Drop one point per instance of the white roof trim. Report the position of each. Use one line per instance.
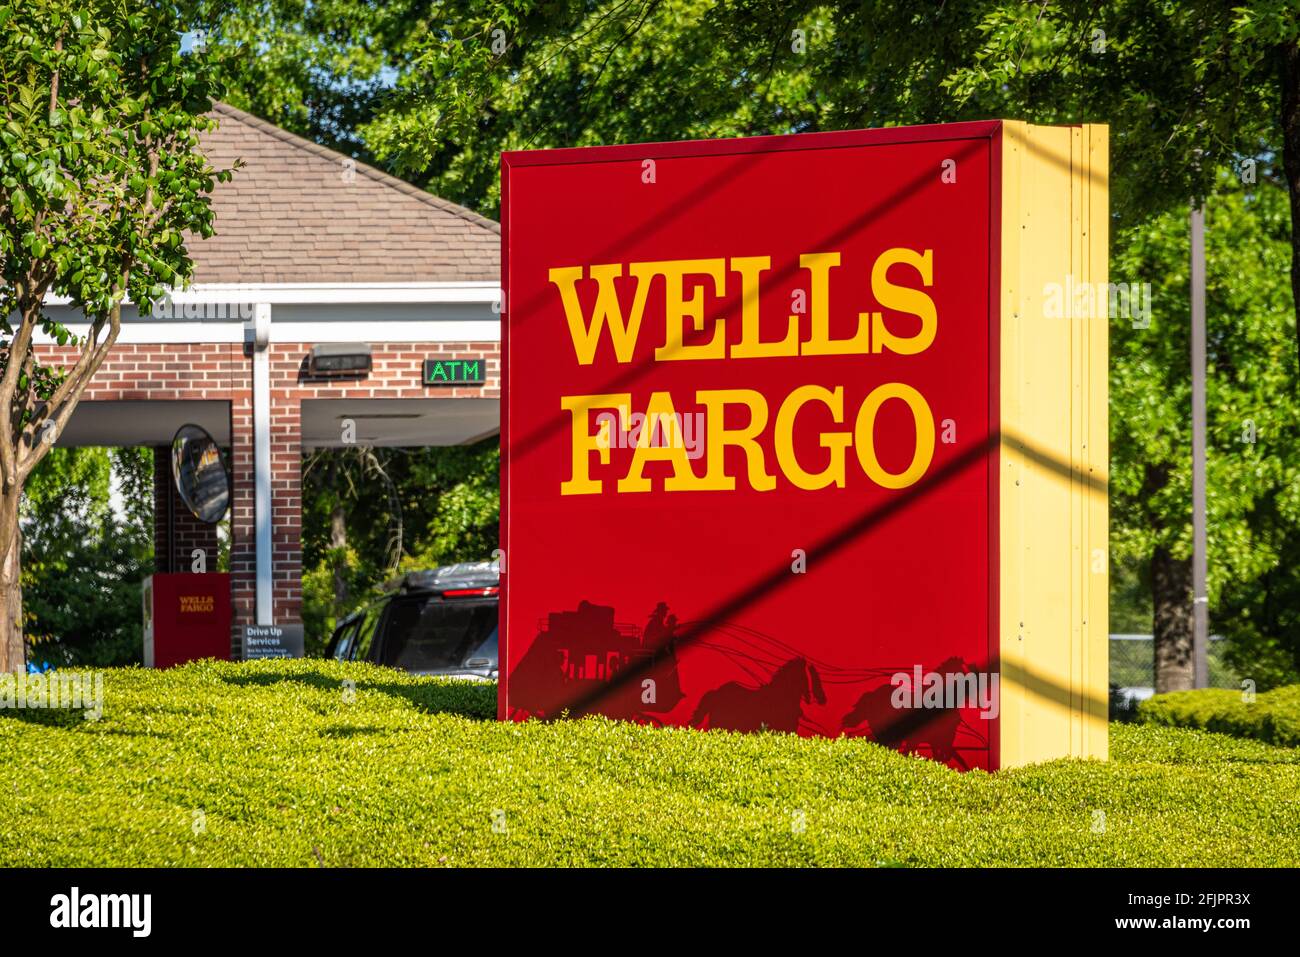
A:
(194, 331)
(317, 293)
(312, 312)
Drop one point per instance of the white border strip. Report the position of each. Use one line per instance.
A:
(432, 331)
(226, 325)
(318, 293)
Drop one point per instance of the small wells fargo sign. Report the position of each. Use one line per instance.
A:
(197, 604)
(788, 442)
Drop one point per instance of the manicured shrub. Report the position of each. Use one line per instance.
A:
(1273, 716)
(304, 763)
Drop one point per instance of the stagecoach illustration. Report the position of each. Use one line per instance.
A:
(583, 661)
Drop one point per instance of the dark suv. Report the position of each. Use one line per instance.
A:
(438, 622)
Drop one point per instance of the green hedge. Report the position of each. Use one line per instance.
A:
(1274, 716)
(310, 763)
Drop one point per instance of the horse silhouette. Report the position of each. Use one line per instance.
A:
(774, 706)
(908, 729)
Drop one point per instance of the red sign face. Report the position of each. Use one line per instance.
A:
(746, 433)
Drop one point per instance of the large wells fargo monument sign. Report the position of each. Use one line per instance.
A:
(792, 439)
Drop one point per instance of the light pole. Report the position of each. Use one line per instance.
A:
(1200, 596)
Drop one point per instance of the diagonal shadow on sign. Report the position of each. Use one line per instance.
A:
(863, 525)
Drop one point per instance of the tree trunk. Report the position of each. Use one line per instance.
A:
(1171, 587)
(1291, 162)
(13, 649)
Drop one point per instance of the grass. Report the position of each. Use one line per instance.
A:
(1273, 716)
(279, 768)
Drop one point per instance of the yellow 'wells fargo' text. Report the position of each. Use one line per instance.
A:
(607, 314)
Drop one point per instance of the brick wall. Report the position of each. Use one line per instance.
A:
(174, 541)
(223, 371)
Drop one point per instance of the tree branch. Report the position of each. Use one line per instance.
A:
(71, 389)
(54, 80)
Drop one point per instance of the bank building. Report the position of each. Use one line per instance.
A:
(334, 304)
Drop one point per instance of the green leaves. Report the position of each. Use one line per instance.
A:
(1272, 716)
(27, 97)
(408, 771)
(88, 218)
(99, 177)
(82, 564)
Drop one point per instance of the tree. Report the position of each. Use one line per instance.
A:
(1253, 462)
(82, 563)
(100, 181)
(320, 69)
(521, 75)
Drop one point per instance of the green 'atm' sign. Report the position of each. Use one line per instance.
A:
(454, 372)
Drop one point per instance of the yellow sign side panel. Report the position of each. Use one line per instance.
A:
(1052, 496)
(1097, 633)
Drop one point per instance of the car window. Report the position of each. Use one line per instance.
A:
(489, 647)
(366, 634)
(423, 634)
(341, 643)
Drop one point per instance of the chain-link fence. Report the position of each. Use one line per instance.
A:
(1132, 671)
(1132, 663)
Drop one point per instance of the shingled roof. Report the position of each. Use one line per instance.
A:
(298, 212)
